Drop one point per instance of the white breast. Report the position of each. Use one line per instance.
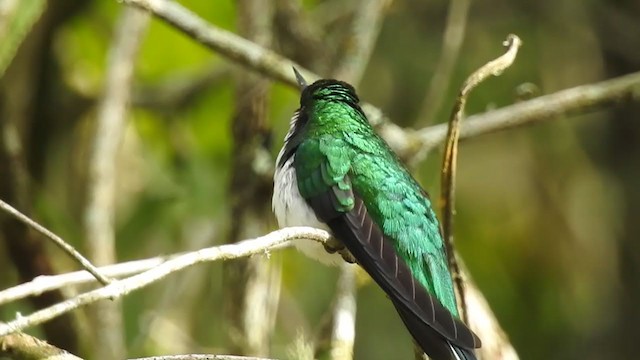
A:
(292, 210)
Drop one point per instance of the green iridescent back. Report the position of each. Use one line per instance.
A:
(339, 141)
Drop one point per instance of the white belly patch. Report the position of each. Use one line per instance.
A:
(292, 210)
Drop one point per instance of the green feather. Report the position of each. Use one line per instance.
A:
(340, 144)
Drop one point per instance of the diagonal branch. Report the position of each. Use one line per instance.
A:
(45, 283)
(117, 289)
(57, 240)
(408, 144)
(579, 99)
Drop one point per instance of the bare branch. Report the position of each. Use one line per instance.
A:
(451, 44)
(56, 240)
(228, 44)
(116, 289)
(579, 99)
(21, 346)
(44, 283)
(406, 143)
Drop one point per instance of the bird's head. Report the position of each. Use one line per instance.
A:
(325, 89)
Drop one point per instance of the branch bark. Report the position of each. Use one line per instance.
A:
(408, 144)
(262, 245)
(45, 283)
(21, 346)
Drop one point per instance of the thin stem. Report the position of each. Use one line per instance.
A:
(86, 264)
(448, 178)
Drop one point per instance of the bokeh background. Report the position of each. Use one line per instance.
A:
(548, 216)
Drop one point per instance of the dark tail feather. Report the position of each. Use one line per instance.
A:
(432, 343)
(462, 354)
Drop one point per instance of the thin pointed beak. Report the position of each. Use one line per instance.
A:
(301, 81)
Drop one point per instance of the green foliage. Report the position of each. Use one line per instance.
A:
(15, 25)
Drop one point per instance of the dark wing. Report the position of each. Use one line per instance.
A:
(323, 180)
(421, 312)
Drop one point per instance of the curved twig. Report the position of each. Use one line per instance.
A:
(448, 176)
(84, 262)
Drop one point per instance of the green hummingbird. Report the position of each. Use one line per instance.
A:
(335, 172)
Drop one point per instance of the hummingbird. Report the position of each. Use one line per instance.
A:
(336, 173)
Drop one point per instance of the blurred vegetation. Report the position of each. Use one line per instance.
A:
(547, 215)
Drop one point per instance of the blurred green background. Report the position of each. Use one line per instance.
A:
(548, 216)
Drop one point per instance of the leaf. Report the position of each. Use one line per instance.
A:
(16, 20)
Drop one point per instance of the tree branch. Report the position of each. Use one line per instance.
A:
(44, 283)
(408, 144)
(579, 99)
(21, 346)
(116, 289)
(86, 264)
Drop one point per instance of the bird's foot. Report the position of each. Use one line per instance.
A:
(334, 245)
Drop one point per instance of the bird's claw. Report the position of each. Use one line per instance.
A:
(334, 245)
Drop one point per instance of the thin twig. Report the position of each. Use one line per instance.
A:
(86, 264)
(44, 283)
(448, 178)
(228, 44)
(451, 44)
(116, 289)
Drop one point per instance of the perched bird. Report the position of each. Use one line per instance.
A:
(334, 172)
